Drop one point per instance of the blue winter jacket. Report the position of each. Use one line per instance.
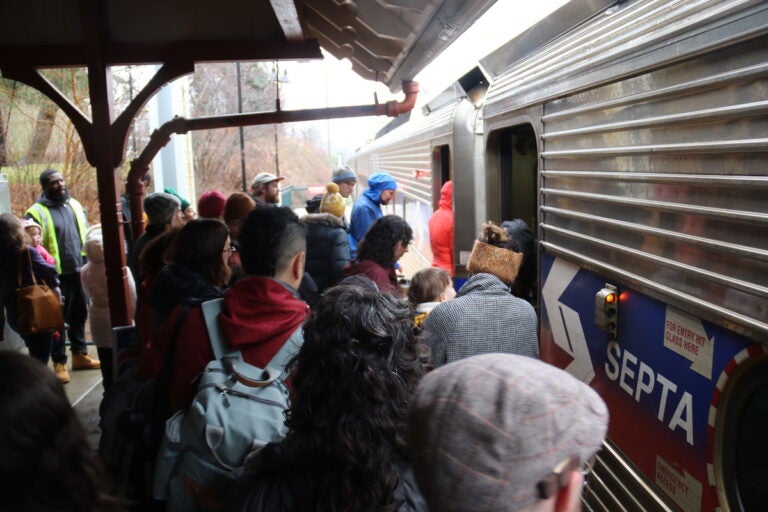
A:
(367, 210)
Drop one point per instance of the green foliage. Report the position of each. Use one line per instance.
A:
(26, 174)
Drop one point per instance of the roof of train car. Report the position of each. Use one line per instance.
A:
(387, 40)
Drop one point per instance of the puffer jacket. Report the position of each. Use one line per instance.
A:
(441, 231)
(327, 249)
(93, 276)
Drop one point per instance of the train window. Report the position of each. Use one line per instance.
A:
(743, 443)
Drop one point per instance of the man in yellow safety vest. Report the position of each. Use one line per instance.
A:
(64, 224)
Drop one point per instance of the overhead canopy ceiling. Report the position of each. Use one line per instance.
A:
(386, 40)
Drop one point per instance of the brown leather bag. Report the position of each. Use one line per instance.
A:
(37, 306)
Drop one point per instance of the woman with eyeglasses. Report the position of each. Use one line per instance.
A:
(198, 268)
(384, 244)
(197, 271)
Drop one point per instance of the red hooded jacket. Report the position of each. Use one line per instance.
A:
(441, 230)
(258, 315)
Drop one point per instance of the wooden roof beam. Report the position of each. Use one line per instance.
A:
(123, 54)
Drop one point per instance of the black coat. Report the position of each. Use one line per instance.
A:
(269, 482)
(175, 285)
(327, 249)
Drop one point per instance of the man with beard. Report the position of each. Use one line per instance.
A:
(367, 209)
(265, 189)
(64, 226)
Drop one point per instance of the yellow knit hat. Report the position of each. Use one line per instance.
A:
(332, 202)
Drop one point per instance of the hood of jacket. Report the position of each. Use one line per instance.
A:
(446, 196)
(487, 283)
(94, 244)
(323, 219)
(43, 199)
(260, 310)
(378, 183)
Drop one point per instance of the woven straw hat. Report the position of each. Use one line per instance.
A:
(490, 259)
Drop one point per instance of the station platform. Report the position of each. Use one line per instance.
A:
(85, 392)
(412, 262)
(84, 389)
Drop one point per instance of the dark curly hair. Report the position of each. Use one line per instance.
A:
(47, 463)
(353, 379)
(379, 242)
(269, 238)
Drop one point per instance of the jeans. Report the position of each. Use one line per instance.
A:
(39, 345)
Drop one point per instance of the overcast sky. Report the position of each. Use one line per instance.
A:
(332, 82)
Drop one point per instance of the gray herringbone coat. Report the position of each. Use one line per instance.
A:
(484, 317)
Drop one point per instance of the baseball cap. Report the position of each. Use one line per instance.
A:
(265, 177)
(485, 430)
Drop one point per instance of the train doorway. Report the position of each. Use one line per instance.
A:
(441, 171)
(518, 165)
(512, 191)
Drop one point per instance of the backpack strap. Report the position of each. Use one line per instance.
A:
(281, 358)
(211, 310)
(276, 365)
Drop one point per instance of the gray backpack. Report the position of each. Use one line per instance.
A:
(238, 408)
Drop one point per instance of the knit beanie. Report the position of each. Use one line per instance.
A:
(332, 202)
(343, 173)
(211, 204)
(313, 204)
(184, 204)
(30, 223)
(161, 207)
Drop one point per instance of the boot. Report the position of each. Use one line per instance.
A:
(60, 369)
(84, 362)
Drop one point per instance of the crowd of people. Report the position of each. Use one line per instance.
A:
(402, 397)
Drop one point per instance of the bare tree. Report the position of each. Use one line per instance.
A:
(3, 149)
(42, 135)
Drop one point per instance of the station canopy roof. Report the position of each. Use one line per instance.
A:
(386, 40)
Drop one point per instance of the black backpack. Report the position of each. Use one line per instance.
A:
(133, 415)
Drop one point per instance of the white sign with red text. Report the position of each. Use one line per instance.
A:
(684, 334)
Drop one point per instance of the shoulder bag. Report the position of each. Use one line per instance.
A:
(37, 306)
